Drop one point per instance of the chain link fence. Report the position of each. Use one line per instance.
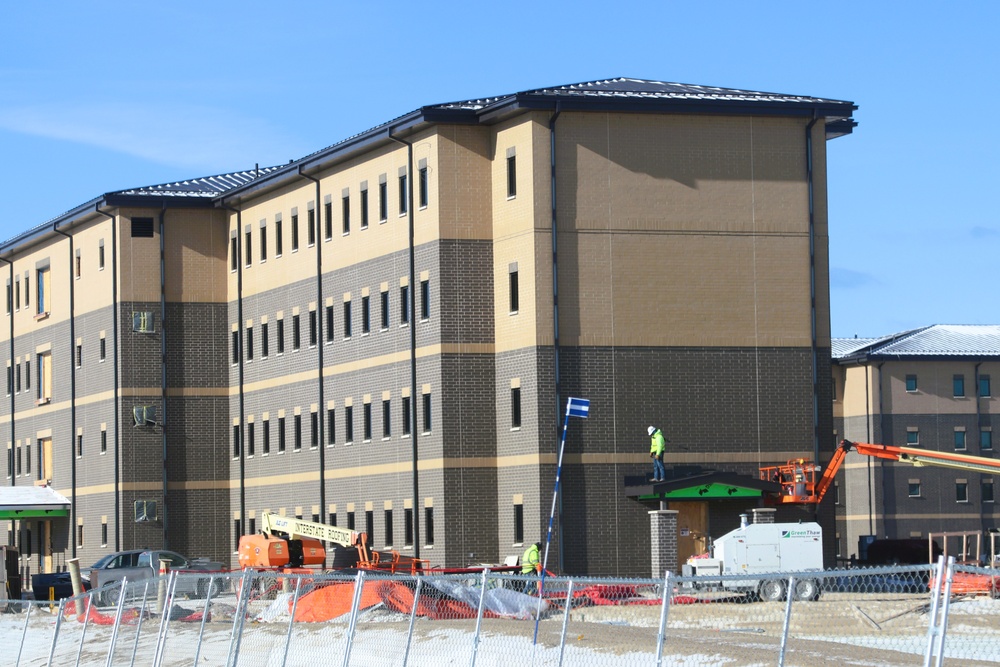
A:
(886, 616)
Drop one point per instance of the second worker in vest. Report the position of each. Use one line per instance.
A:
(530, 564)
(657, 445)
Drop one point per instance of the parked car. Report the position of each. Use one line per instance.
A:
(141, 564)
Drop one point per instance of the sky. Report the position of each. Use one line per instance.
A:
(101, 96)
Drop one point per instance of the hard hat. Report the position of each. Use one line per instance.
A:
(651, 430)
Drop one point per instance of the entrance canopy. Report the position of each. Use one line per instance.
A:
(701, 486)
(28, 502)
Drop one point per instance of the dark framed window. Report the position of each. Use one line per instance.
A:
(311, 227)
(388, 528)
(425, 299)
(518, 523)
(984, 386)
(234, 254)
(100, 256)
(986, 490)
(329, 324)
(986, 439)
(331, 426)
(404, 304)
(367, 412)
(511, 176)
(295, 233)
(370, 526)
(427, 413)
(349, 423)
(328, 210)
(263, 243)
(959, 440)
(27, 373)
(406, 415)
(350, 521)
(248, 247)
(345, 210)
(249, 343)
(422, 187)
(264, 347)
(347, 319)
(79, 445)
(911, 383)
(513, 290)
(79, 360)
(104, 349)
(313, 329)
(383, 201)
(408, 527)
(281, 435)
(251, 441)
(961, 491)
(403, 191)
(296, 332)
(314, 429)
(364, 208)
(913, 489)
(104, 442)
(386, 419)
(913, 437)
(280, 338)
(384, 296)
(236, 346)
(297, 443)
(237, 534)
(366, 315)
(236, 441)
(104, 533)
(279, 245)
(515, 407)
(265, 434)
(958, 386)
(429, 526)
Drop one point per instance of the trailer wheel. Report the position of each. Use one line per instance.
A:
(772, 590)
(108, 596)
(806, 590)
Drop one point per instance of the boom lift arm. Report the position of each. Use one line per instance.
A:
(291, 542)
(802, 483)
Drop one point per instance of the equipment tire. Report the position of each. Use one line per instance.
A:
(107, 596)
(772, 590)
(203, 588)
(806, 590)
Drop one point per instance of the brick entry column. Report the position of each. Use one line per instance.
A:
(763, 514)
(663, 537)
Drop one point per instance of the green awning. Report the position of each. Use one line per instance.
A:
(32, 502)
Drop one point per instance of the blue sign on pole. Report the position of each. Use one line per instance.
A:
(578, 407)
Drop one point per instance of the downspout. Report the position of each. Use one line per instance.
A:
(239, 347)
(555, 307)
(975, 388)
(413, 340)
(812, 283)
(72, 385)
(320, 422)
(10, 452)
(163, 371)
(882, 438)
(114, 345)
(868, 438)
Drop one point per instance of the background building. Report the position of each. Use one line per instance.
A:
(382, 334)
(928, 388)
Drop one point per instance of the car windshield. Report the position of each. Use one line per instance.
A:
(102, 562)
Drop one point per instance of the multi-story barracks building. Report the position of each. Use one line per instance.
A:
(383, 334)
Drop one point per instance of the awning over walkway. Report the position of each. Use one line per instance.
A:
(702, 486)
(27, 502)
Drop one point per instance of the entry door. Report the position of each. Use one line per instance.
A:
(692, 529)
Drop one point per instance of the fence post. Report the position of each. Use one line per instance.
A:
(138, 627)
(86, 621)
(569, 606)
(24, 634)
(479, 617)
(55, 634)
(161, 637)
(246, 583)
(204, 616)
(661, 633)
(789, 596)
(118, 622)
(936, 583)
(359, 583)
(291, 619)
(946, 603)
(413, 616)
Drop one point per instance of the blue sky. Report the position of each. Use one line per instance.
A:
(100, 96)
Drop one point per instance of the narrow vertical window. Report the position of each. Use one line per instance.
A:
(422, 186)
(79, 355)
(234, 253)
(961, 491)
(263, 242)
(296, 333)
(515, 407)
(104, 348)
(279, 241)
(425, 300)
(79, 445)
(347, 319)
(331, 426)
(313, 430)
(311, 227)
(27, 373)
(350, 521)
(295, 233)
(514, 292)
(42, 285)
(986, 490)
(313, 329)
(408, 527)
(248, 247)
(958, 386)
(388, 528)
(518, 523)
(104, 533)
(265, 435)
(77, 267)
(986, 439)
(367, 421)
(104, 441)
(298, 432)
(348, 424)
(366, 315)
(385, 310)
(280, 339)
(329, 324)
(403, 192)
(984, 386)
(237, 534)
(264, 344)
(44, 365)
(407, 416)
(100, 255)
(511, 174)
(328, 214)
(345, 213)
(17, 379)
(249, 343)
(236, 346)
(281, 435)
(911, 383)
(79, 535)
(959, 440)
(383, 200)
(429, 526)
(404, 304)
(236, 441)
(17, 295)
(427, 413)
(364, 206)
(386, 419)
(370, 525)
(251, 439)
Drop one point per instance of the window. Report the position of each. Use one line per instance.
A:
(427, 413)
(249, 343)
(404, 304)
(251, 440)
(100, 256)
(43, 307)
(313, 430)
(366, 315)
(385, 310)
(10, 380)
(10, 298)
(79, 535)
(986, 490)
(27, 373)
(911, 383)
(281, 435)
(959, 440)
(958, 386)
(264, 345)
(513, 289)
(17, 295)
(234, 253)
(345, 212)
(237, 534)
(313, 329)
(235, 344)
(913, 489)
(295, 233)
(311, 227)
(386, 419)
(281, 336)
(984, 386)
(511, 175)
(422, 186)
(429, 526)
(248, 247)
(961, 491)
(407, 416)
(104, 349)
(328, 230)
(333, 518)
(408, 527)
(370, 526)
(331, 427)
(986, 439)
(142, 228)
(383, 201)
(348, 424)
(279, 242)
(296, 332)
(104, 533)
(298, 432)
(403, 191)
(77, 267)
(388, 529)
(364, 207)
(79, 445)
(17, 379)
(367, 411)
(265, 434)
(263, 243)
(236, 441)
(329, 324)
(104, 441)
(912, 437)
(425, 300)
(515, 407)
(347, 319)
(518, 523)
(44, 377)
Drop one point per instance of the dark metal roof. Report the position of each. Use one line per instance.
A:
(939, 340)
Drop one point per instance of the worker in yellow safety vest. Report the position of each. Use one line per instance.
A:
(530, 564)
(657, 445)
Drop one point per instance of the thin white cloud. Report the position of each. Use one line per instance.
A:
(980, 232)
(850, 279)
(190, 136)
